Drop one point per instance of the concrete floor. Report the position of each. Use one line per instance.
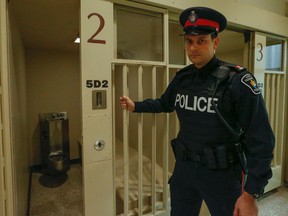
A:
(58, 196)
(63, 196)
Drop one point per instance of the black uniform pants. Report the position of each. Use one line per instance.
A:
(192, 182)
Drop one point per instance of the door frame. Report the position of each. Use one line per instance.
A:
(7, 202)
(258, 55)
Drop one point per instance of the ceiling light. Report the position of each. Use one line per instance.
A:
(77, 40)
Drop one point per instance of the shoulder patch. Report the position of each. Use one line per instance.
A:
(249, 81)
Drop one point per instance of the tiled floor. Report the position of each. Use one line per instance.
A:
(274, 203)
(63, 196)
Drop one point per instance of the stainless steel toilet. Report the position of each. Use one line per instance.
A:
(54, 136)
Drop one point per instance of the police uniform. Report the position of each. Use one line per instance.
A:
(207, 167)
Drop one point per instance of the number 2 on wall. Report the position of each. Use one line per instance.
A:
(93, 39)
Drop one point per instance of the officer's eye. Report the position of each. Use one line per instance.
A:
(201, 41)
(188, 42)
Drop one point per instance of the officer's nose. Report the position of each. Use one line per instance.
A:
(191, 47)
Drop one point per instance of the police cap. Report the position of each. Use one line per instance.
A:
(202, 21)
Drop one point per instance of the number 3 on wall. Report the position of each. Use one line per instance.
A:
(260, 52)
(93, 39)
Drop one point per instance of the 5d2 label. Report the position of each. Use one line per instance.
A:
(97, 83)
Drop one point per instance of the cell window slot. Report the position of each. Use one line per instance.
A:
(99, 99)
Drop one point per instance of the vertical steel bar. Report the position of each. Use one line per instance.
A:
(166, 131)
(114, 136)
(166, 151)
(277, 119)
(272, 112)
(125, 71)
(154, 138)
(140, 143)
(267, 92)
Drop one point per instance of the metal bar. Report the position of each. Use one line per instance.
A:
(272, 114)
(283, 115)
(267, 92)
(166, 153)
(166, 131)
(114, 140)
(140, 143)
(274, 72)
(125, 71)
(154, 137)
(278, 120)
(137, 62)
(273, 96)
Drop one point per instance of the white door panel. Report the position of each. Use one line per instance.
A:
(96, 51)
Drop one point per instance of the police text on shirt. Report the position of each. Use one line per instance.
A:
(201, 104)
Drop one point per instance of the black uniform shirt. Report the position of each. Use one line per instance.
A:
(241, 104)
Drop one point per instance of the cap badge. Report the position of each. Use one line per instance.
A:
(193, 17)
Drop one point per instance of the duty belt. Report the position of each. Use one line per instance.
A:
(191, 156)
(217, 157)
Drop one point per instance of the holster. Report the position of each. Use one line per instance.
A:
(181, 152)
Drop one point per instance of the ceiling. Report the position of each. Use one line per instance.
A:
(47, 24)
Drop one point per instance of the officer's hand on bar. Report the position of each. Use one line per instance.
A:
(127, 103)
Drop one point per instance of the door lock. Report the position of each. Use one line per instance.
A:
(99, 145)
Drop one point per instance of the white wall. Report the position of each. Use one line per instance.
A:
(275, 6)
(262, 16)
(53, 85)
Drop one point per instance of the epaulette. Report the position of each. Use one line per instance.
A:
(234, 67)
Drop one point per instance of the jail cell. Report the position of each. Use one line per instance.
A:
(143, 157)
(274, 99)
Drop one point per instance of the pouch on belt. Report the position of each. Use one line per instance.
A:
(218, 157)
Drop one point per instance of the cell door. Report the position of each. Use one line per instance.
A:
(141, 141)
(269, 54)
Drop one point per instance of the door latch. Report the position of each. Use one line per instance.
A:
(99, 145)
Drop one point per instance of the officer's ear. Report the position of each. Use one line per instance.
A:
(216, 42)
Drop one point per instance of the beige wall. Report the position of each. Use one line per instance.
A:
(53, 84)
(235, 57)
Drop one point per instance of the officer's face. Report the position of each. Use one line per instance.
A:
(200, 48)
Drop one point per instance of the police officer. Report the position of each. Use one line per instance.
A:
(214, 101)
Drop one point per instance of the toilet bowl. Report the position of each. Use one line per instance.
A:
(58, 163)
